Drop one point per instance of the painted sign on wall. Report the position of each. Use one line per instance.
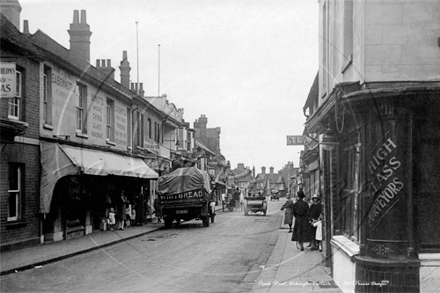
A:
(7, 80)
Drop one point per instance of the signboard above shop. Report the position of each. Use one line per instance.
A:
(298, 140)
(7, 80)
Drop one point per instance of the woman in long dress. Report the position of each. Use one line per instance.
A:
(288, 213)
(301, 229)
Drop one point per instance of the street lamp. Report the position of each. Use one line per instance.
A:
(176, 138)
(329, 141)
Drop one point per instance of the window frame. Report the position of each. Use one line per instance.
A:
(15, 169)
(110, 120)
(15, 105)
(81, 115)
(350, 193)
(47, 95)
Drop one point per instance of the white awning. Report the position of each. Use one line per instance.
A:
(62, 160)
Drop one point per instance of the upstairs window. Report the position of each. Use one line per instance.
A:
(47, 95)
(149, 128)
(15, 104)
(110, 135)
(81, 108)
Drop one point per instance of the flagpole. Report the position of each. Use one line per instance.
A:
(137, 57)
(158, 70)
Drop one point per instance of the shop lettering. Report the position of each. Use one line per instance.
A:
(7, 70)
(185, 195)
(385, 183)
(387, 171)
(384, 198)
(61, 81)
(381, 154)
(6, 88)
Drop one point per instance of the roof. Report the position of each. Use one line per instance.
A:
(11, 37)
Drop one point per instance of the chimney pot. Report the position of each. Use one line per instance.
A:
(109, 63)
(83, 17)
(75, 16)
(26, 27)
(98, 63)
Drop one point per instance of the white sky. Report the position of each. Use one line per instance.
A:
(248, 65)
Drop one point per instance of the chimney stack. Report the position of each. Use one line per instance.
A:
(125, 70)
(263, 170)
(271, 170)
(105, 68)
(11, 10)
(80, 37)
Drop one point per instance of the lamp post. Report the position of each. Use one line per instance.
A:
(176, 139)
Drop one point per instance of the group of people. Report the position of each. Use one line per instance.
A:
(308, 220)
(122, 213)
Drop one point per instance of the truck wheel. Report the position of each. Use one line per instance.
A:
(168, 222)
(205, 221)
(212, 218)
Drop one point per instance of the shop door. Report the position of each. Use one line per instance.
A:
(427, 183)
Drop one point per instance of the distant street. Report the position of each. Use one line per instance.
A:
(225, 257)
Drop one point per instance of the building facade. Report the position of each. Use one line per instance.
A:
(73, 137)
(375, 119)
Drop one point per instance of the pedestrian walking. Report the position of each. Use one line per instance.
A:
(301, 229)
(314, 218)
(158, 210)
(122, 209)
(288, 213)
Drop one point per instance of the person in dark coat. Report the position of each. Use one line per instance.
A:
(157, 209)
(314, 215)
(301, 230)
(122, 209)
(288, 214)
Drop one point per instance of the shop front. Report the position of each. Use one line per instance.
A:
(388, 167)
(79, 185)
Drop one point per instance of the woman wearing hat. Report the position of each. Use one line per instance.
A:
(315, 216)
(301, 230)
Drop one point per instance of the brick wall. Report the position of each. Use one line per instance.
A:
(26, 231)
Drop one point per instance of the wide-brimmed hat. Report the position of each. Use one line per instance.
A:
(301, 194)
(315, 196)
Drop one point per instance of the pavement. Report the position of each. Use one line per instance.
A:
(287, 270)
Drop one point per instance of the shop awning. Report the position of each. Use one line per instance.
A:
(61, 160)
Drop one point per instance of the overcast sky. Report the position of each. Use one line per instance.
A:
(247, 65)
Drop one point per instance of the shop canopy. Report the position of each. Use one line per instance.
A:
(58, 161)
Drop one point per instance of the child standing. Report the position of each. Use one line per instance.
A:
(111, 219)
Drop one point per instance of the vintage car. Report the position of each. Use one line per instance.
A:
(275, 195)
(255, 205)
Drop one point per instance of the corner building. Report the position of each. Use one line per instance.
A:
(377, 107)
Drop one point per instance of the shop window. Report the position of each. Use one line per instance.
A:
(15, 191)
(349, 197)
(81, 106)
(110, 134)
(47, 95)
(15, 105)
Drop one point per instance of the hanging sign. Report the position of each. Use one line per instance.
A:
(7, 80)
(298, 140)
